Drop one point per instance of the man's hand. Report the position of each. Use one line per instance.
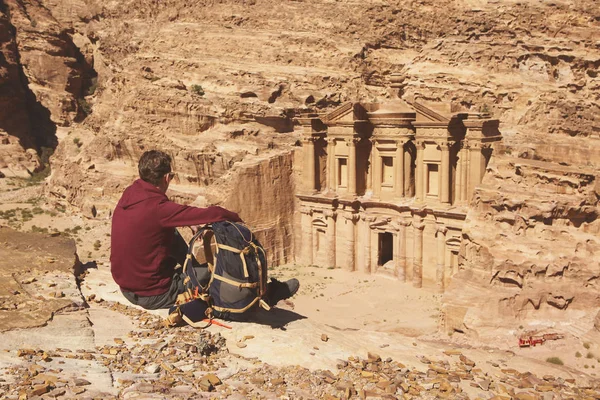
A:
(195, 228)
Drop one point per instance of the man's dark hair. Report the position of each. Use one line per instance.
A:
(153, 165)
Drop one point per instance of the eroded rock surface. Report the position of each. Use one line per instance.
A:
(530, 243)
(36, 278)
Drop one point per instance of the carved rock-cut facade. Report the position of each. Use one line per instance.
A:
(386, 186)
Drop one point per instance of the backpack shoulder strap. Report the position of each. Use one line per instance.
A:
(188, 271)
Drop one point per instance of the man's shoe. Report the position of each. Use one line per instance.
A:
(277, 290)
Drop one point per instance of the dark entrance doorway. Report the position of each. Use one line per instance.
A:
(386, 248)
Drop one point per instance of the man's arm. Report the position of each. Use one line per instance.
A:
(173, 215)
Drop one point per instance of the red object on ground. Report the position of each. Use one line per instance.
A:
(528, 340)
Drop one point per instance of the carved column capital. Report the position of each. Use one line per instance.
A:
(445, 145)
(330, 140)
(367, 218)
(306, 210)
(352, 216)
(400, 143)
(330, 214)
(420, 225)
(352, 141)
(420, 144)
(441, 229)
(404, 222)
(418, 222)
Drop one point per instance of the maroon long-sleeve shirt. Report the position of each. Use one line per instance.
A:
(143, 226)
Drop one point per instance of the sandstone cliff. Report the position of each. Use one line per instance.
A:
(529, 244)
(43, 74)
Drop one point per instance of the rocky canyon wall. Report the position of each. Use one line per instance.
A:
(15, 135)
(43, 77)
(264, 194)
(530, 244)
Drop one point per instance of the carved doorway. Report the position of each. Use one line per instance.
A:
(385, 253)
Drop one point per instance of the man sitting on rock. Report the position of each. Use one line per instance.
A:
(146, 248)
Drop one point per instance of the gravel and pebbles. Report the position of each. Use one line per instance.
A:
(183, 363)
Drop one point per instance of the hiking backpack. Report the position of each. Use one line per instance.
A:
(237, 268)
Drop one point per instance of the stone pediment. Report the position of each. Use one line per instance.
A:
(347, 113)
(344, 114)
(396, 112)
(428, 114)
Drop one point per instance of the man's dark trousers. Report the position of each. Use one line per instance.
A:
(179, 250)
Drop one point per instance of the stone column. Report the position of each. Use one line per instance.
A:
(476, 165)
(441, 257)
(458, 180)
(418, 226)
(364, 247)
(331, 172)
(445, 173)
(307, 240)
(331, 215)
(374, 250)
(401, 259)
(352, 166)
(376, 171)
(475, 162)
(465, 173)
(419, 172)
(309, 157)
(369, 177)
(351, 241)
(399, 184)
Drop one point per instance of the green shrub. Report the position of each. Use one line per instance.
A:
(578, 354)
(38, 229)
(26, 215)
(84, 106)
(554, 360)
(197, 89)
(589, 355)
(586, 345)
(93, 86)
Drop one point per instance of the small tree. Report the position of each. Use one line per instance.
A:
(197, 89)
(84, 106)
